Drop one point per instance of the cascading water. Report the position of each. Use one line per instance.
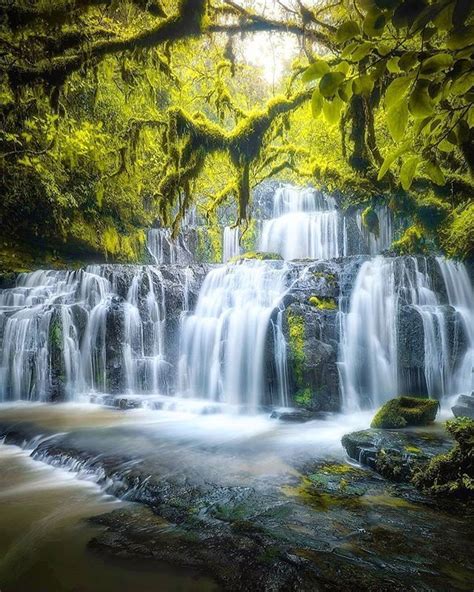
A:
(230, 243)
(385, 289)
(224, 341)
(67, 333)
(304, 225)
(381, 241)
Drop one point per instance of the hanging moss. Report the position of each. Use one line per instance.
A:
(457, 234)
(259, 255)
(371, 221)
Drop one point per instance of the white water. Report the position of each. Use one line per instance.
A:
(304, 225)
(224, 341)
(54, 329)
(230, 243)
(369, 357)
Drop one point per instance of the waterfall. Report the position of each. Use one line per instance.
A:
(230, 241)
(224, 342)
(461, 298)
(385, 291)
(304, 225)
(166, 250)
(63, 334)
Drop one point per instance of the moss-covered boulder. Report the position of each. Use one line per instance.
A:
(452, 473)
(404, 412)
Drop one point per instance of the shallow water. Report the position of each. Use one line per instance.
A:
(44, 532)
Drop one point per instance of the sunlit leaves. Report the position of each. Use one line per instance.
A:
(348, 30)
(434, 172)
(363, 85)
(316, 70)
(332, 110)
(330, 82)
(397, 119)
(407, 171)
(396, 91)
(420, 103)
(436, 63)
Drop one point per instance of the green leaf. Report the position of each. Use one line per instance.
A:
(362, 51)
(396, 91)
(390, 159)
(408, 60)
(332, 110)
(316, 103)
(407, 171)
(343, 67)
(436, 63)
(445, 146)
(397, 119)
(462, 84)
(348, 30)
(363, 85)
(350, 47)
(408, 11)
(420, 103)
(461, 37)
(392, 66)
(330, 82)
(315, 71)
(434, 172)
(374, 23)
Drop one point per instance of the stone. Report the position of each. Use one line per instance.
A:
(464, 406)
(403, 412)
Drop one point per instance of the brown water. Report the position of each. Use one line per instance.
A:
(44, 536)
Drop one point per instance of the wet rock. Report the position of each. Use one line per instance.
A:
(395, 454)
(403, 412)
(464, 406)
(296, 415)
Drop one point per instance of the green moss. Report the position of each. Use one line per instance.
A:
(457, 235)
(412, 241)
(405, 411)
(56, 334)
(370, 220)
(451, 474)
(323, 303)
(304, 397)
(431, 211)
(329, 277)
(297, 341)
(260, 256)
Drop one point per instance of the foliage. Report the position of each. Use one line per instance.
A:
(452, 473)
(259, 255)
(296, 343)
(118, 115)
(405, 411)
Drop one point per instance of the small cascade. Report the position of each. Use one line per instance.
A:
(379, 319)
(224, 342)
(230, 243)
(63, 334)
(461, 298)
(304, 224)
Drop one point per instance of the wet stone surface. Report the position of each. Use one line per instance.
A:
(260, 511)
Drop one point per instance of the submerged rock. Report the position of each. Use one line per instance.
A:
(404, 412)
(296, 415)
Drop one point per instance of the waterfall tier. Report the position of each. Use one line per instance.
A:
(408, 329)
(304, 225)
(224, 342)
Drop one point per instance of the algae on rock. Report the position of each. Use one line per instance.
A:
(405, 411)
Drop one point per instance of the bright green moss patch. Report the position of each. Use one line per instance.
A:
(412, 241)
(297, 341)
(260, 256)
(405, 411)
(323, 303)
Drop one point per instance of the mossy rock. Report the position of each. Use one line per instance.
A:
(258, 255)
(404, 412)
(323, 303)
(451, 474)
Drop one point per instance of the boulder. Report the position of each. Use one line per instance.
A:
(404, 412)
(464, 406)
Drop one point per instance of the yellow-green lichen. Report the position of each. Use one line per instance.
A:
(323, 303)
